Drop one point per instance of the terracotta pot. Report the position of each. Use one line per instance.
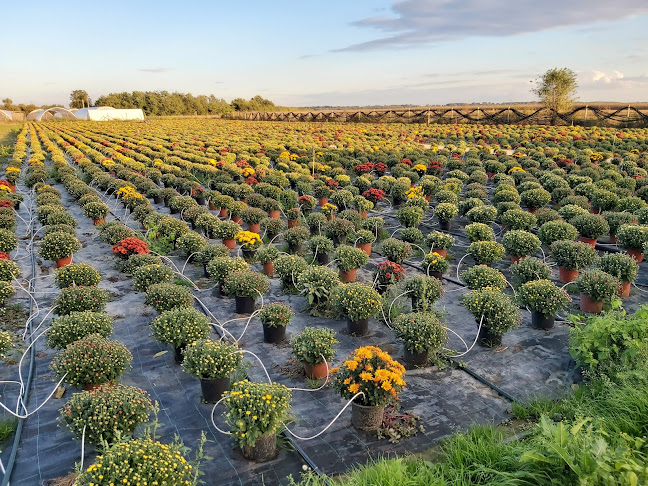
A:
(263, 449)
(322, 201)
(636, 254)
(624, 290)
(349, 276)
(613, 239)
(490, 174)
(12, 188)
(230, 243)
(315, 371)
(273, 335)
(275, 214)
(268, 269)
(367, 418)
(61, 262)
(590, 241)
(91, 387)
(212, 389)
(212, 207)
(539, 321)
(515, 259)
(358, 328)
(293, 222)
(415, 360)
(244, 304)
(428, 197)
(222, 212)
(237, 220)
(330, 217)
(488, 339)
(590, 306)
(366, 247)
(363, 214)
(565, 275)
(255, 228)
(442, 253)
(98, 221)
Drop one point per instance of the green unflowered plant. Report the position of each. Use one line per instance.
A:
(597, 285)
(590, 225)
(424, 292)
(77, 325)
(80, 299)
(166, 296)
(420, 332)
(482, 214)
(495, 310)
(316, 284)
(314, 345)
(573, 255)
(623, 267)
(410, 217)
(220, 267)
(520, 243)
(348, 257)
(530, 269)
(516, 219)
(631, 236)
(395, 250)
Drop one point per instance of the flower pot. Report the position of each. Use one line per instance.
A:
(566, 275)
(230, 243)
(293, 222)
(539, 321)
(349, 276)
(338, 240)
(61, 262)
(445, 225)
(330, 217)
(315, 371)
(442, 253)
(237, 220)
(367, 418)
(222, 212)
(489, 339)
(263, 449)
(366, 247)
(322, 201)
(212, 389)
(211, 206)
(515, 259)
(273, 335)
(205, 270)
(158, 199)
(415, 360)
(244, 304)
(294, 248)
(363, 214)
(359, 327)
(428, 197)
(179, 354)
(590, 306)
(98, 221)
(613, 239)
(95, 386)
(323, 258)
(248, 254)
(268, 268)
(437, 275)
(274, 214)
(254, 227)
(174, 211)
(12, 187)
(200, 201)
(636, 254)
(624, 290)
(590, 241)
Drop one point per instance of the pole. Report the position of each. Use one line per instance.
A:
(586, 113)
(508, 115)
(428, 115)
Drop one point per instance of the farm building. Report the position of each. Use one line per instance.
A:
(105, 113)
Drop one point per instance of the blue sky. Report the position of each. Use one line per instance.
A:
(307, 53)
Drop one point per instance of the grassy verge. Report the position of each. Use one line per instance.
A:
(594, 436)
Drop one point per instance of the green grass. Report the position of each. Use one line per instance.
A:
(7, 428)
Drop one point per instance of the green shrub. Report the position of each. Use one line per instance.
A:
(9, 270)
(79, 274)
(395, 250)
(530, 269)
(556, 230)
(246, 283)
(316, 284)
(619, 265)
(147, 275)
(424, 292)
(79, 299)
(543, 296)
(480, 276)
(166, 296)
(180, 327)
(598, 285)
(500, 313)
(314, 345)
(420, 332)
(520, 243)
(573, 255)
(479, 232)
(77, 325)
(209, 359)
(486, 252)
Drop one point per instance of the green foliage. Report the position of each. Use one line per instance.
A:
(598, 285)
(180, 327)
(498, 311)
(479, 276)
(356, 300)
(556, 89)
(147, 275)
(314, 345)
(317, 283)
(573, 255)
(209, 359)
(520, 243)
(246, 283)
(420, 331)
(543, 296)
(80, 274)
(166, 296)
(77, 325)
(72, 299)
(479, 232)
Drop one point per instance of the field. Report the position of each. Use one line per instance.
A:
(455, 234)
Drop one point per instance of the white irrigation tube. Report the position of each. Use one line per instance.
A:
(468, 349)
(459, 264)
(82, 446)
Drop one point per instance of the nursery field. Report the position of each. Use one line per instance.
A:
(250, 300)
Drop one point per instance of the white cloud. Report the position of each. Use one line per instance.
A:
(602, 77)
(416, 22)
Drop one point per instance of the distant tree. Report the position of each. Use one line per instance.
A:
(557, 89)
(79, 99)
(7, 103)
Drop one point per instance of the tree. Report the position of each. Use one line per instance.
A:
(79, 99)
(557, 89)
(7, 103)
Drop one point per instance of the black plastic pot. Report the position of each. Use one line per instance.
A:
(323, 258)
(212, 390)
(200, 201)
(358, 328)
(539, 321)
(489, 339)
(244, 304)
(445, 225)
(274, 335)
(158, 199)
(179, 354)
(415, 360)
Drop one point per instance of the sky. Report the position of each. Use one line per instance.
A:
(324, 53)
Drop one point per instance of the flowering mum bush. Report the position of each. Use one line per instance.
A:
(632, 236)
(180, 327)
(248, 240)
(55, 246)
(436, 240)
(255, 409)
(516, 219)
(486, 252)
(520, 243)
(543, 296)
(8, 241)
(598, 285)
(246, 283)
(530, 269)
(106, 413)
(573, 255)
(80, 274)
(142, 461)
(6, 291)
(556, 230)
(480, 276)
(395, 250)
(220, 267)
(208, 359)
(92, 360)
(6, 343)
(130, 246)
(500, 314)
(348, 257)
(388, 273)
(276, 314)
(314, 345)
(148, 275)
(77, 325)
(420, 332)
(619, 265)
(80, 299)
(166, 296)
(356, 301)
(424, 291)
(373, 195)
(371, 371)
